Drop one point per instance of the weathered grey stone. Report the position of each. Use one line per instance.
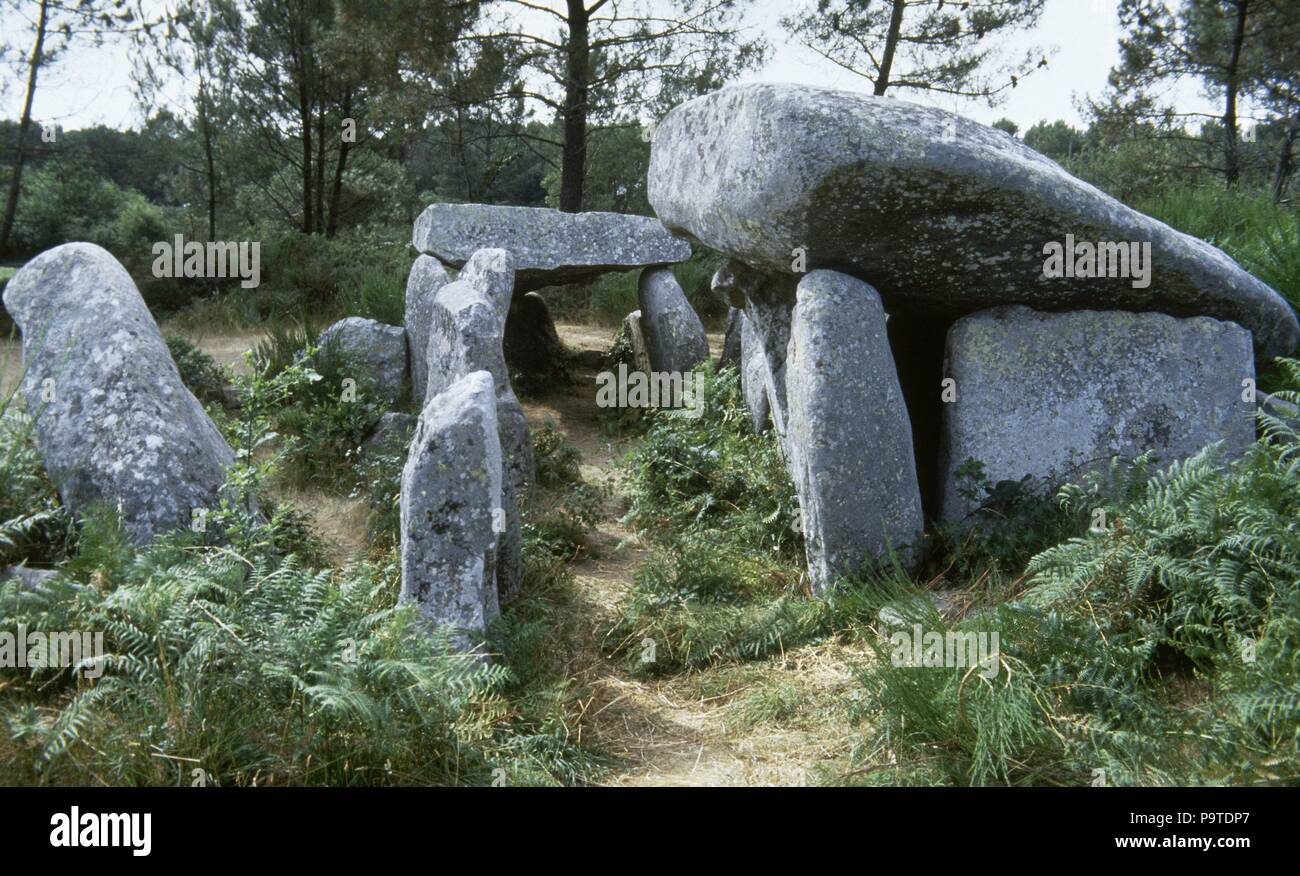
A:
(28, 579)
(674, 336)
(636, 337)
(113, 421)
(849, 439)
(379, 350)
(754, 376)
(393, 430)
(1280, 409)
(937, 212)
(768, 302)
(550, 248)
(1048, 395)
(426, 278)
(731, 339)
(466, 331)
(451, 493)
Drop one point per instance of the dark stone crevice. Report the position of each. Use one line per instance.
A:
(918, 343)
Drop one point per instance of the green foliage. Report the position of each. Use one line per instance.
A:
(564, 507)
(34, 527)
(199, 371)
(716, 503)
(1245, 224)
(1158, 648)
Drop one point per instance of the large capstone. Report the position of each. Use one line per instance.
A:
(674, 336)
(466, 332)
(113, 421)
(426, 278)
(939, 213)
(451, 496)
(550, 248)
(377, 350)
(849, 439)
(1049, 396)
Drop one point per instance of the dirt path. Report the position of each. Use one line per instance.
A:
(755, 724)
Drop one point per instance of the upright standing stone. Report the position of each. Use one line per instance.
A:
(636, 337)
(466, 333)
(731, 339)
(849, 439)
(1048, 395)
(674, 335)
(113, 421)
(754, 376)
(532, 345)
(379, 350)
(426, 278)
(451, 493)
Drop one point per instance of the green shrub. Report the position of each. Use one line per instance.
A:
(199, 371)
(1158, 649)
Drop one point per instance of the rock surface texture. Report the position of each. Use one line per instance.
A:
(426, 278)
(113, 421)
(451, 493)
(550, 248)
(849, 438)
(674, 336)
(939, 213)
(379, 350)
(1044, 394)
(466, 333)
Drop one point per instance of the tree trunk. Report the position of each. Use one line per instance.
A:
(1231, 159)
(891, 46)
(573, 165)
(319, 223)
(337, 192)
(20, 153)
(1285, 161)
(205, 126)
(304, 115)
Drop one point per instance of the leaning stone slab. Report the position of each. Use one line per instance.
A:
(550, 248)
(379, 350)
(674, 336)
(113, 421)
(466, 334)
(768, 301)
(1049, 395)
(849, 438)
(393, 430)
(731, 339)
(937, 212)
(451, 490)
(426, 278)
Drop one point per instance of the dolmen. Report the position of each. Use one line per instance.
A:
(553, 248)
(918, 291)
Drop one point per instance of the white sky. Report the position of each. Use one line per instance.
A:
(93, 85)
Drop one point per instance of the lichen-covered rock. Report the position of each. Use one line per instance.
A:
(768, 301)
(1049, 395)
(674, 336)
(636, 338)
(114, 423)
(935, 211)
(451, 493)
(848, 435)
(754, 376)
(426, 278)
(731, 339)
(550, 248)
(466, 334)
(379, 350)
